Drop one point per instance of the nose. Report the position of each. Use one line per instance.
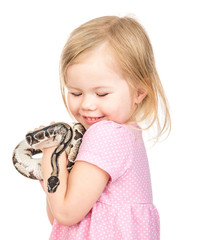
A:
(88, 103)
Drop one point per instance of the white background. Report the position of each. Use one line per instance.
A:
(32, 36)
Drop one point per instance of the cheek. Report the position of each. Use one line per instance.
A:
(124, 106)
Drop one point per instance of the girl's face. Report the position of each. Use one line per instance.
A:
(97, 91)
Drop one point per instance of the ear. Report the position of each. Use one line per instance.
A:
(140, 95)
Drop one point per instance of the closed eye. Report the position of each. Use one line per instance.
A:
(102, 95)
(76, 94)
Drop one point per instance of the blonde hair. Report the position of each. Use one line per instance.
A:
(132, 49)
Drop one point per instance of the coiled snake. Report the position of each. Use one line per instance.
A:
(68, 139)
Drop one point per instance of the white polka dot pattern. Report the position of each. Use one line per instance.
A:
(125, 209)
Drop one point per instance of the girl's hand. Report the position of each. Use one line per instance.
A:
(35, 129)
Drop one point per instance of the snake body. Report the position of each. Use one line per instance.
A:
(62, 135)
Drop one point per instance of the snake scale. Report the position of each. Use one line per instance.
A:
(62, 135)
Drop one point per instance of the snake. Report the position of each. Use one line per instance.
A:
(62, 135)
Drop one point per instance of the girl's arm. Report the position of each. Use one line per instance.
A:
(77, 192)
(49, 213)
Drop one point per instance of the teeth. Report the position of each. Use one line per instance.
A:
(92, 119)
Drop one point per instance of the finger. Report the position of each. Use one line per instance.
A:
(52, 122)
(35, 129)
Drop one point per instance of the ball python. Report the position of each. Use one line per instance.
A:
(62, 135)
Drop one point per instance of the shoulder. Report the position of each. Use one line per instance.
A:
(109, 146)
(109, 133)
(107, 137)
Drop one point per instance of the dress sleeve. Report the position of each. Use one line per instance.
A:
(108, 146)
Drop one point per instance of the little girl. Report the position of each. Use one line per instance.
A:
(108, 70)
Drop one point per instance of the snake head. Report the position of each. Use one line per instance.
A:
(53, 183)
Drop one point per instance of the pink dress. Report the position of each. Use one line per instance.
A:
(125, 209)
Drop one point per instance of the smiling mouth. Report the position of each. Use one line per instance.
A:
(92, 118)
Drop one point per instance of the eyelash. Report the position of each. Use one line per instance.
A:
(99, 95)
(102, 95)
(76, 94)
